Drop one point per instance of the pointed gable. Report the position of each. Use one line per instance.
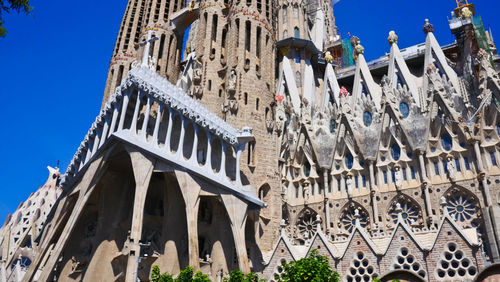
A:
(399, 69)
(363, 82)
(331, 88)
(287, 82)
(404, 252)
(435, 55)
(360, 256)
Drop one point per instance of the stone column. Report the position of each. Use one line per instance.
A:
(425, 183)
(143, 169)
(482, 175)
(133, 127)
(373, 194)
(327, 201)
(237, 211)
(126, 99)
(191, 193)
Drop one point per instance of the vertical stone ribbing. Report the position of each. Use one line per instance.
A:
(141, 16)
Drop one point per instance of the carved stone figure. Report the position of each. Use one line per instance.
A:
(231, 84)
(398, 179)
(450, 165)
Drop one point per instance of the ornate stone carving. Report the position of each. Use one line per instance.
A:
(231, 83)
(428, 27)
(393, 38)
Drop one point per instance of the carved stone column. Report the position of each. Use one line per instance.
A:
(373, 194)
(326, 200)
(191, 192)
(143, 169)
(237, 211)
(425, 184)
(482, 174)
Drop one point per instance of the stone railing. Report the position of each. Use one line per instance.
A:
(156, 116)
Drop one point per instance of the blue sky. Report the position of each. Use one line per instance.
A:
(53, 68)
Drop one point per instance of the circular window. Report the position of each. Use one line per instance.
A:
(404, 109)
(367, 118)
(349, 160)
(446, 142)
(395, 152)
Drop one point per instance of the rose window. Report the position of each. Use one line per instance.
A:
(409, 213)
(307, 226)
(349, 220)
(461, 208)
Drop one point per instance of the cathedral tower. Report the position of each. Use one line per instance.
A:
(140, 16)
(250, 80)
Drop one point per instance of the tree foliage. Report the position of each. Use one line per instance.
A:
(6, 6)
(186, 275)
(313, 268)
(238, 276)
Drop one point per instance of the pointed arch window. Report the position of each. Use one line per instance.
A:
(493, 159)
(333, 125)
(498, 129)
(404, 109)
(307, 169)
(296, 32)
(395, 151)
(367, 118)
(349, 161)
(446, 142)
(297, 56)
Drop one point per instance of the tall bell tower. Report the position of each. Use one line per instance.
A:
(141, 16)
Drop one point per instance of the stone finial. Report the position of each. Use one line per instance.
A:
(328, 57)
(358, 48)
(466, 13)
(356, 214)
(393, 37)
(356, 217)
(283, 223)
(428, 27)
(318, 223)
(442, 201)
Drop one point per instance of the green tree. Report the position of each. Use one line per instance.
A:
(313, 268)
(186, 275)
(156, 275)
(238, 276)
(6, 6)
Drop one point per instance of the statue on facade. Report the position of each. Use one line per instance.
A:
(450, 166)
(231, 83)
(348, 183)
(398, 179)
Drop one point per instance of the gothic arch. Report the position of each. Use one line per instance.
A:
(464, 207)
(349, 212)
(401, 275)
(96, 244)
(411, 211)
(305, 225)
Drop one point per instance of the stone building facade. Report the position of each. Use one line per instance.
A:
(264, 149)
(20, 230)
